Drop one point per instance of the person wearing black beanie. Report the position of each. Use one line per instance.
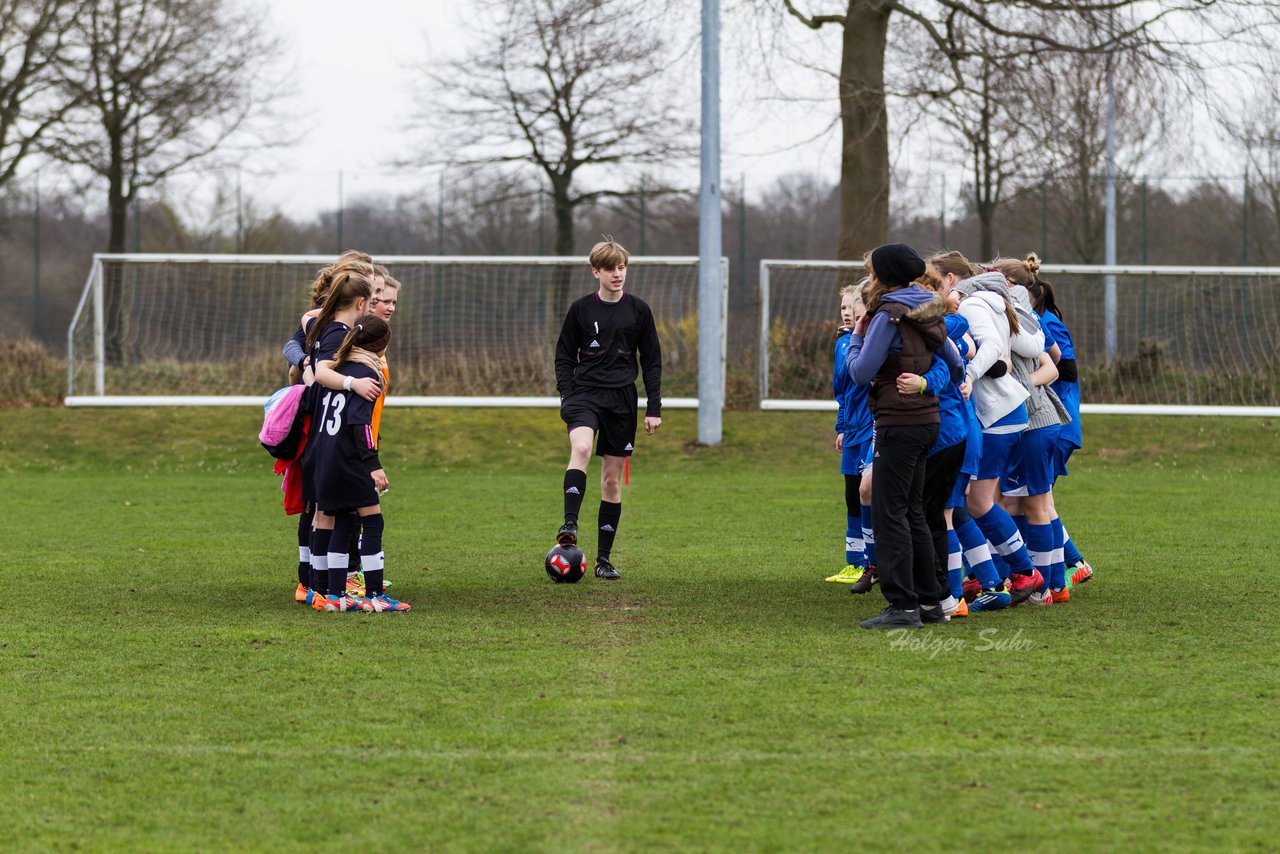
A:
(900, 333)
(896, 264)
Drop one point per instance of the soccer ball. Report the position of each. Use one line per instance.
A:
(565, 564)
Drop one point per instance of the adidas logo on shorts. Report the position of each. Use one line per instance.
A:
(628, 447)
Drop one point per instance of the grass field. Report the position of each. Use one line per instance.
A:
(163, 692)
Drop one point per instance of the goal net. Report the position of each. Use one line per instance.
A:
(1185, 340)
(481, 331)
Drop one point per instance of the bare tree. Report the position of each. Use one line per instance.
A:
(1030, 26)
(1064, 113)
(161, 84)
(32, 46)
(574, 88)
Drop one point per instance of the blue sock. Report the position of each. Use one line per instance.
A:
(1003, 534)
(1058, 571)
(1071, 554)
(955, 565)
(977, 554)
(854, 555)
(868, 535)
(1040, 550)
(1021, 521)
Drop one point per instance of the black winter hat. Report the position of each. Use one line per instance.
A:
(896, 264)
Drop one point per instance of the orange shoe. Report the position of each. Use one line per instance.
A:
(1061, 595)
(300, 595)
(355, 586)
(962, 609)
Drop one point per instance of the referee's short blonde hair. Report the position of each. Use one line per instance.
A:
(608, 254)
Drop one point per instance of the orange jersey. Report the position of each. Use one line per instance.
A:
(376, 421)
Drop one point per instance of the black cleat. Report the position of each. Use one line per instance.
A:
(606, 570)
(933, 615)
(894, 618)
(568, 535)
(865, 582)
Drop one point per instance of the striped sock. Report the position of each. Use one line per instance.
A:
(868, 535)
(1003, 534)
(853, 551)
(1040, 550)
(1058, 570)
(978, 554)
(955, 565)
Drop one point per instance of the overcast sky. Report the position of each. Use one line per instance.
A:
(361, 55)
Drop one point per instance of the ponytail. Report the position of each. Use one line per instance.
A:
(370, 333)
(349, 283)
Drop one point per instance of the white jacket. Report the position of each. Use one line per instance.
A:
(993, 399)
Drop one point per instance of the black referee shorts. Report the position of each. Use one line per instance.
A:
(610, 412)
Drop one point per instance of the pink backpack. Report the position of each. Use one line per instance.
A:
(282, 422)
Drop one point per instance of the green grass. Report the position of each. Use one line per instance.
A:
(163, 692)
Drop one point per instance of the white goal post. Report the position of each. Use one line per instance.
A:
(1189, 340)
(208, 330)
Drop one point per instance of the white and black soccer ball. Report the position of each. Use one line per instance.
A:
(565, 564)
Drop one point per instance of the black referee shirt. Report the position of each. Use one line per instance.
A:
(599, 343)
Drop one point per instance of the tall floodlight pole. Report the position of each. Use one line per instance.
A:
(1109, 281)
(710, 276)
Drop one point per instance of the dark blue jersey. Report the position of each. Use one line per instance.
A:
(343, 445)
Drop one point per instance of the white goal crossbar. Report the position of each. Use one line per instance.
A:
(1182, 339)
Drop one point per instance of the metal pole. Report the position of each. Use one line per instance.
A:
(35, 274)
(1044, 218)
(742, 236)
(239, 215)
(1244, 239)
(341, 240)
(942, 215)
(1110, 280)
(710, 279)
(1146, 254)
(643, 218)
(440, 220)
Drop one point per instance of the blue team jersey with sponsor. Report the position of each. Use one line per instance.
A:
(853, 415)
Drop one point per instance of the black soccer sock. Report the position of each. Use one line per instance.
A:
(371, 557)
(304, 547)
(320, 560)
(339, 550)
(575, 488)
(610, 513)
(353, 559)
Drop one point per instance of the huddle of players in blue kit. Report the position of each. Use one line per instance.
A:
(958, 408)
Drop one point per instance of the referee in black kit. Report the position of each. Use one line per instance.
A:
(607, 339)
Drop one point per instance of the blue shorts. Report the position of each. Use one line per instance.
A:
(957, 498)
(855, 458)
(1062, 452)
(997, 448)
(1032, 463)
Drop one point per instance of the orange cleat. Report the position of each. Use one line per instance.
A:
(300, 595)
(962, 609)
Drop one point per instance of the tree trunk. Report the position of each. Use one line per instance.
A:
(562, 210)
(864, 122)
(113, 283)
